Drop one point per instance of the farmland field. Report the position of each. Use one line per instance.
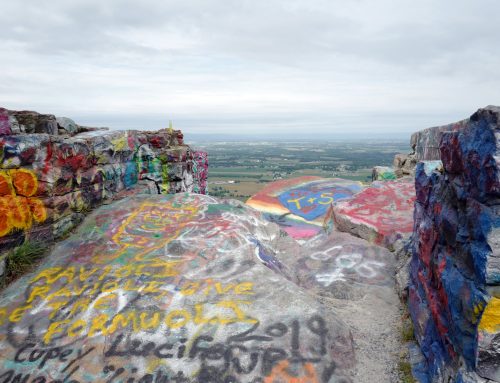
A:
(240, 169)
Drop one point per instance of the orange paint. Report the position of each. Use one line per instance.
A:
(20, 214)
(280, 374)
(153, 225)
(6, 187)
(24, 182)
(18, 209)
(37, 209)
(5, 226)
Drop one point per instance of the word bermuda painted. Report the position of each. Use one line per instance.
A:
(177, 288)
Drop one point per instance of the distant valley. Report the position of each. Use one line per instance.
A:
(240, 169)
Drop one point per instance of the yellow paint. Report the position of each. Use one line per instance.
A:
(38, 291)
(103, 302)
(18, 206)
(120, 144)
(18, 313)
(153, 287)
(110, 286)
(124, 271)
(56, 306)
(240, 316)
(50, 275)
(123, 320)
(80, 306)
(173, 316)
(327, 199)
(198, 318)
(153, 323)
(166, 219)
(3, 315)
(24, 181)
(296, 201)
(190, 288)
(244, 288)
(490, 321)
(208, 286)
(76, 328)
(54, 328)
(84, 274)
(142, 321)
(220, 289)
(98, 325)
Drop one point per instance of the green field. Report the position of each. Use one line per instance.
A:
(241, 169)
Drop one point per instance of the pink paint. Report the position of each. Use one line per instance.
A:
(385, 207)
(4, 122)
(301, 232)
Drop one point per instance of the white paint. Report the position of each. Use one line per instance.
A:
(326, 279)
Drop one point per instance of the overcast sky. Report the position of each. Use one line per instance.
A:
(349, 68)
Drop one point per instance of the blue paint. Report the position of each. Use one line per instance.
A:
(269, 260)
(131, 175)
(453, 221)
(310, 203)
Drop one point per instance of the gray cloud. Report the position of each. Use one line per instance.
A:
(335, 66)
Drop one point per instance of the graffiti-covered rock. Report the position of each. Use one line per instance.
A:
(455, 267)
(381, 214)
(383, 173)
(178, 288)
(302, 205)
(70, 169)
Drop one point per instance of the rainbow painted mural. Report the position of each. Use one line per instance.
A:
(301, 206)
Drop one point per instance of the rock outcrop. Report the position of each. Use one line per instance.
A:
(455, 269)
(53, 171)
(424, 147)
(383, 173)
(302, 205)
(178, 288)
(381, 213)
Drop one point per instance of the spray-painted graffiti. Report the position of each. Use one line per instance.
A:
(342, 258)
(455, 272)
(382, 213)
(383, 173)
(168, 289)
(19, 208)
(300, 205)
(77, 173)
(200, 172)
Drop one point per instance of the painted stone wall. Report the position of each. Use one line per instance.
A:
(455, 269)
(424, 147)
(53, 171)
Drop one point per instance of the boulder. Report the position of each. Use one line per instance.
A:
(381, 213)
(5, 128)
(33, 122)
(74, 172)
(455, 267)
(67, 125)
(383, 173)
(170, 288)
(302, 206)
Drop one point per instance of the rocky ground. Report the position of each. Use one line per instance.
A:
(187, 288)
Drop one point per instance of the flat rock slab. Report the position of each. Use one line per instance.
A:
(180, 288)
(381, 214)
(356, 279)
(301, 206)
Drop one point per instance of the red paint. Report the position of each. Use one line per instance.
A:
(388, 207)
